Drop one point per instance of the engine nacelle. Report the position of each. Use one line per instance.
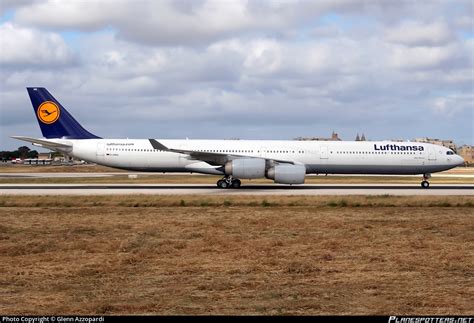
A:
(246, 168)
(287, 174)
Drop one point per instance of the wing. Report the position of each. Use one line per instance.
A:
(216, 159)
(45, 143)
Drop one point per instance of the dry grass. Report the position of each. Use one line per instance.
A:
(241, 255)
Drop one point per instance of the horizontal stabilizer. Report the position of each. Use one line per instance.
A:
(44, 143)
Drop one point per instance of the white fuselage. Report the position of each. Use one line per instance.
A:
(338, 157)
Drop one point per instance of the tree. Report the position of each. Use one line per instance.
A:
(23, 151)
(5, 155)
(32, 154)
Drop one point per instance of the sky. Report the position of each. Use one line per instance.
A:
(203, 69)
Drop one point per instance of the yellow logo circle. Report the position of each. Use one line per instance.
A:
(48, 112)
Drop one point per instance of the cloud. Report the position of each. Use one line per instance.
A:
(66, 15)
(448, 106)
(414, 33)
(29, 47)
(160, 22)
(267, 69)
(421, 57)
(178, 23)
(465, 22)
(13, 4)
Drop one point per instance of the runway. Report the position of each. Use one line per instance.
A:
(255, 189)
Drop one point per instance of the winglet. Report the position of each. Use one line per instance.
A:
(157, 145)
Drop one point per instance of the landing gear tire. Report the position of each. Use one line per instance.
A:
(228, 182)
(425, 183)
(236, 183)
(222, 184)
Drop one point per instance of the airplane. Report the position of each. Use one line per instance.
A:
(285, 162)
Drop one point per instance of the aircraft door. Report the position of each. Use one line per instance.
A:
(100, 149)
(432, 153)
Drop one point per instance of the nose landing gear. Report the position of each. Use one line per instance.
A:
(425, 183)
(229, 182)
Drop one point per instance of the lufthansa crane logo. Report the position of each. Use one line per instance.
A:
(48, 112)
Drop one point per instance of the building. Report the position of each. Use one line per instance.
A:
(334, 137)
(442, 142)
(360, 138)
(467, 152)
(36, 161)
(47, 155)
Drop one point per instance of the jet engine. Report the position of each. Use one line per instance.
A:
(246, 168)
(287, 174)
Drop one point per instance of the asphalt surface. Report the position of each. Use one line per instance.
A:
(254, 189)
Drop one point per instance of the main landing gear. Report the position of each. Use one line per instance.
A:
(228, 182)
(425, 183)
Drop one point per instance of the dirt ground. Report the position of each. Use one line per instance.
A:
(242, 255)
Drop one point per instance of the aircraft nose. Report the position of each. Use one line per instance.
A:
(459, 160)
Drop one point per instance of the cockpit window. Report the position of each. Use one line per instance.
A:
(450, 152)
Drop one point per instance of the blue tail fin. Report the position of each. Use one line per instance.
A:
(53, 118)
